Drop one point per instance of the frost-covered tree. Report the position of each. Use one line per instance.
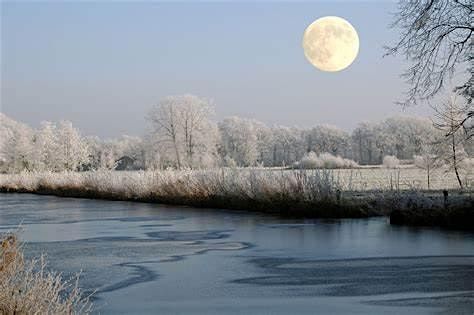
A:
(19, 153)
(46, 147)
(72, 151)
(265, 139)
(165, 127)
(51, 148)
(107, 154)
(403, 136)
(288, 145)
(364, 144)
(16, 146)
(199, 131)
(330, 139)
(239, 141)
(398, 136)
(152, 158)
(182, 128)
(97, 150)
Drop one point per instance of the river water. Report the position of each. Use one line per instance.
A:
(146, 258)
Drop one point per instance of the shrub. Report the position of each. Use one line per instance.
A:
(26, 287)
(391, 161)
(325, 160)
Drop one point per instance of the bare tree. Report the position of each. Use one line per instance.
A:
(448, 118)
(182, 123)
(164, 119)
(428, 159)
(436, 36)
(194, 121)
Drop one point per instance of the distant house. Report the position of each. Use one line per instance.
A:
(125, 163)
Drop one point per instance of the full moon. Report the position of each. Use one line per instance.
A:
(330, 43)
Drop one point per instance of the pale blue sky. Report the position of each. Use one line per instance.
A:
(103, 64)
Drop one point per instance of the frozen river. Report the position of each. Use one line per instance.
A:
(147, 258)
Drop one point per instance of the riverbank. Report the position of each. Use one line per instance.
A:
(454, 210)
(300, 194)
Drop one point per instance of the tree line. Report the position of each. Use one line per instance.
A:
(182, 133)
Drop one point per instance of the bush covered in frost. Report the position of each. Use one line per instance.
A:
(324, 161)
(391, 161)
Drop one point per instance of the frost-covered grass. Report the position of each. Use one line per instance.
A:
(27, 287)
(259, 183)
(195, 184)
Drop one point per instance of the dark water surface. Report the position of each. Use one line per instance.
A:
(145, 258)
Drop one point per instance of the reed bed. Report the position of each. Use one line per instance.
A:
(300, 193)
(318, 191)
